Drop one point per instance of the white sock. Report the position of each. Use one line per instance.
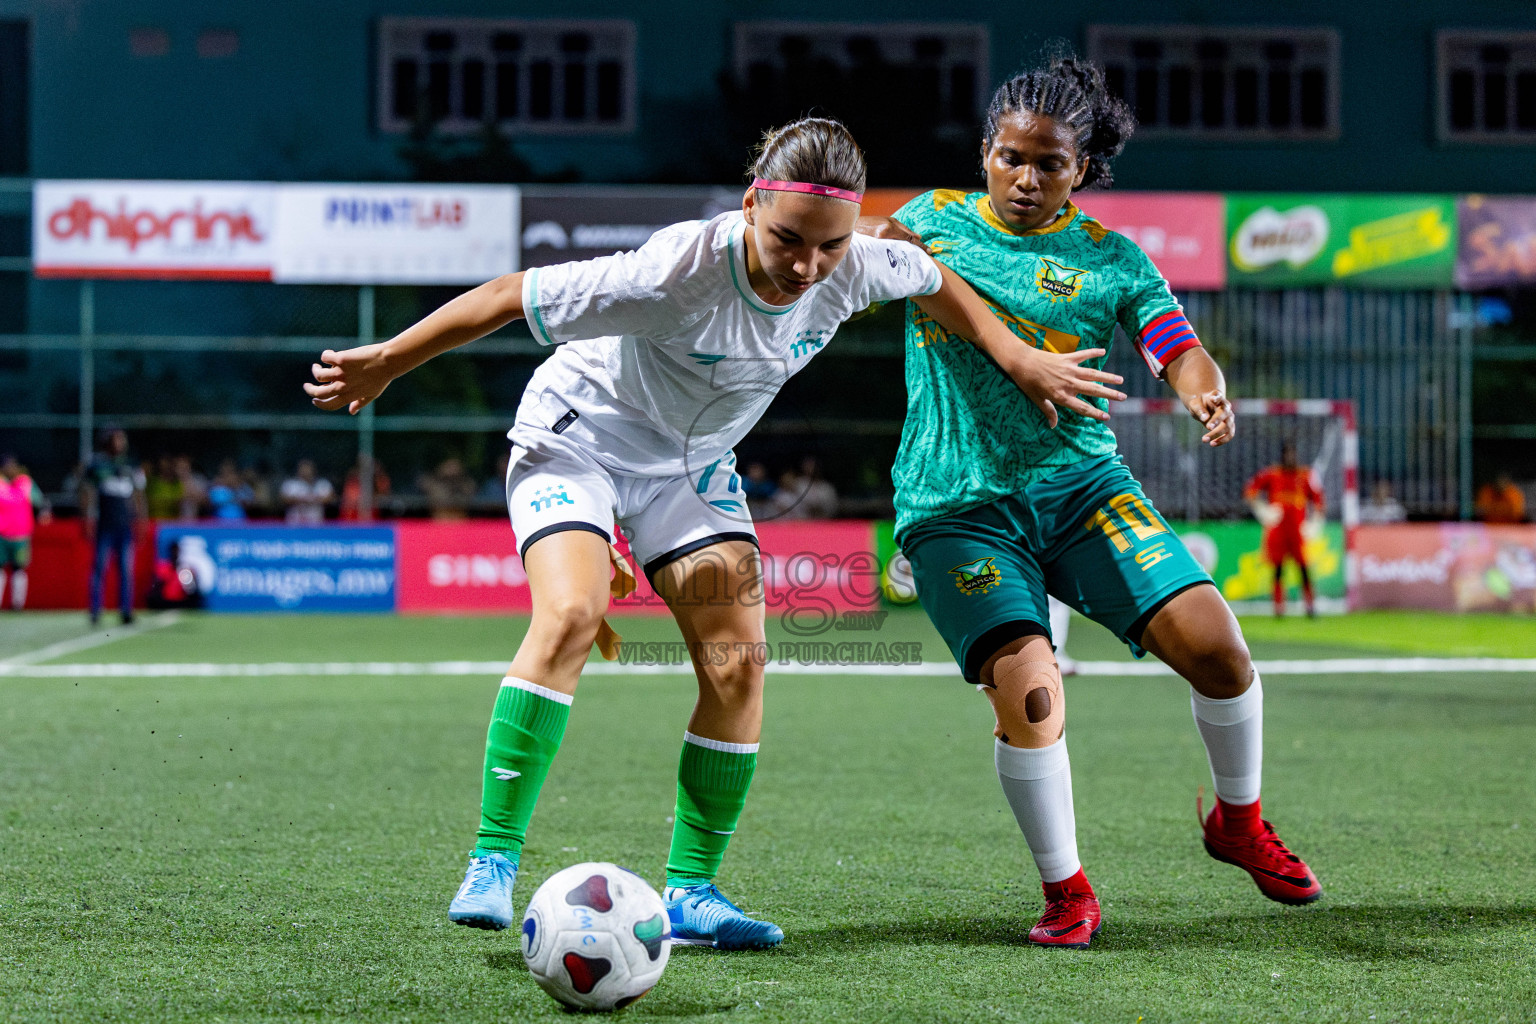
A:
(1061, 618)
(1233, 731)
(18, 589)
(1038, 785)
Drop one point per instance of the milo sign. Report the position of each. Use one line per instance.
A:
(1379, 241)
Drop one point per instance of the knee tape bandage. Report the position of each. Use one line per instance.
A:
(1029, 702)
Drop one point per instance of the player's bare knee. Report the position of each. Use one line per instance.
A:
(1225, 670)
(569, 623)
(735, 683)
(1029, 700)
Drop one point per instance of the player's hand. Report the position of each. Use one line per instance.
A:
(1312, 527)
(1051, 379)
(1213, 409)
(885, 227)
(352, 379)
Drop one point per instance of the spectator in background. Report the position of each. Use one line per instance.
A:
(112, 503)
(759, 490)
(305, 495)
(1383, 507)
(163, 490)
(259, 480)
(352, 491)
(194, 489)
(494, 490)
(1501, 501)
(448, 489)
(22, 507)
(805, 495)
(229, 495)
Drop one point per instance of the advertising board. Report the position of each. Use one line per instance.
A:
(287, 568)
(395, 234)
(1287, 240)
(220, 230)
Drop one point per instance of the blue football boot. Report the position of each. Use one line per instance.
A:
(485, 898)
(702, 917)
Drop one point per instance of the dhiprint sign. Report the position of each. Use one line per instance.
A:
(153, 229)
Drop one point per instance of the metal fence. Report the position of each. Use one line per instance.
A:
(113, 350)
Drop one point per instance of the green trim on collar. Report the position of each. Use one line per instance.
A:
(747, 293)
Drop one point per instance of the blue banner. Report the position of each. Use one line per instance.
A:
(282, 568)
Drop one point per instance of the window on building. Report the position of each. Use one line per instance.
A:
(932, 73)
(1258, 83)
(528, 76)
(1487, 86)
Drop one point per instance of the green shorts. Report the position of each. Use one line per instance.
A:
(1086, 534)
(15, 554)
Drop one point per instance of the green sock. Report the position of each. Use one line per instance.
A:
(526, 728)
(712, 782)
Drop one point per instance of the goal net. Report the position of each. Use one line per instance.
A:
(1189, 481)
(1194, 483)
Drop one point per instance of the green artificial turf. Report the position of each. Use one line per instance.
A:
(1417, 633)
(283, 849)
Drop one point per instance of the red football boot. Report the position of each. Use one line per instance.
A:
(1237, 835)
(1071, 917)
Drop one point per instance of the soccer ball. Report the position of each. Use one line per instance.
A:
(596, 936)
(897, 584)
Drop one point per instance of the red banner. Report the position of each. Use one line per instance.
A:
(1183, 232)
(812, 569)
(1466, 567)
(59, 576)
(469, 566)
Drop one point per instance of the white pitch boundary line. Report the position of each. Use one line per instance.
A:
(931, 669)
(64, 648)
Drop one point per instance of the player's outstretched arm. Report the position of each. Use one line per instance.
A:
(1048, 379)
(354, 377)
(1203, 390)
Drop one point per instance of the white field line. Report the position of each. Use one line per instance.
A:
(65, 648)
(933, 669)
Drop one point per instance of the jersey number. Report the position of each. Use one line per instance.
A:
(1133, 514)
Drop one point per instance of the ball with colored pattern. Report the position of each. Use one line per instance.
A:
(596, 936)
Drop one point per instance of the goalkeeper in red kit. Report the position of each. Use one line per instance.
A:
(1286, 499)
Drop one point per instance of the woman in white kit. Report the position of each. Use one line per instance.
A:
(669, 355)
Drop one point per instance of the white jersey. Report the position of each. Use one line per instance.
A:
(671, 357)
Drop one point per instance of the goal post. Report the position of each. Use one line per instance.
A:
(1194, 483)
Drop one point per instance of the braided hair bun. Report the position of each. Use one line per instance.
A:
(1071, 92)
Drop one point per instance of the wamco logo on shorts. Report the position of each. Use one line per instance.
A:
(195, 226)
(977, 577)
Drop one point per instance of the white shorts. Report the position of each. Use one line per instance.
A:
(555, 485)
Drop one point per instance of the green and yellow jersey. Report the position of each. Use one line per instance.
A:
(971, 436)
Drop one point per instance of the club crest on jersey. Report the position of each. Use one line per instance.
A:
(807, 343)
(1058, 280)
(977, 577)
(546, 498)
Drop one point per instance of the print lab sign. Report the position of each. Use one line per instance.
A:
(395, 234)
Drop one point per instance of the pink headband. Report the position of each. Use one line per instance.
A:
(805, 186)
